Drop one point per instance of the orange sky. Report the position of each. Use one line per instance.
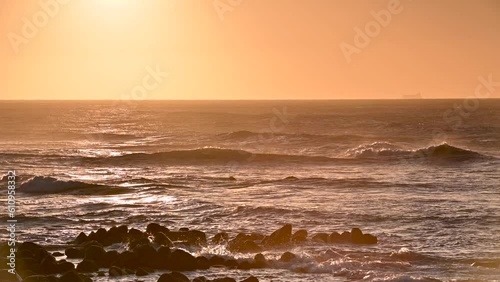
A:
(257, 49)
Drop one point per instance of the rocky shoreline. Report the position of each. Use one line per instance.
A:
(157, 250)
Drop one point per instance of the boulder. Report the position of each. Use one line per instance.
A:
(280, 236)
(369, 239)
(260, 261)
(202, 263)
(287, 256)
(299, 236)
(181, 260)
(115, 271)
(173, 277)
(320, 237)
(190, 238)
(96, 254)
(220, 238)
(86, 266)
(161, 239)
(81, 238)
(141, 272)
(335, 238)
(64, 266)
(356, 236)
(225, 279)
(40, 278)
(73, 276)
(147, 255)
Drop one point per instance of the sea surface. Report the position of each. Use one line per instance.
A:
(421, 175)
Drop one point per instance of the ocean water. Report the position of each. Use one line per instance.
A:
(421, 175)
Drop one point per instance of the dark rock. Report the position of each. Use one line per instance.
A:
(134, 234)
(117, 234)
(182, 261)
(154, 228)
(81, 238)
(232, 178)
(320, 237)
(57, 254)
(191, 237)
(115, 271)
(244, 246)
(141, 272)
(36, 278)
(369, 239)
(260, 261)
(147, 255)
(8, 277)
(74, 253)
(245, 265)
(225, 279)
(64, 266)
(111, 257)
(335, 238)
(299, 236)
(161, 239)
(127, 259)
(287, 256)
(280, 236)
(183, 229)
(96, 254)
(220, 238)
(173, 277)
(345, 236)
(48, 265)
(73, 276)
(87, 265)
(250, 279)
(217, 260)
(163, 255)
(137, 242)
(202, 263)
(200, 279)
(357, 236)
(231, 263)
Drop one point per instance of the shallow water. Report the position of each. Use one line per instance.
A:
(432, 199)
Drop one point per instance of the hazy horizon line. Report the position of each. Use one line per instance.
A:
(190, 100)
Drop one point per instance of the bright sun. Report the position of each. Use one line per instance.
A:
(116, 4)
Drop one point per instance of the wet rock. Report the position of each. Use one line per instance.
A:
(111, 257)
(202, 263)
(280, 236)
(245, 265)
(127, 259)
(250, 279)
(335, 238)
(345, 236)
(181, 261)
(86, 266)
(216, 260)
(48, 265)
(299, 236)
(260, 261)
(73, 276)
(141, 272)
(356, 236)
(161, 239)
(134, 234)
(183, 229)
(115, 271)
(173, 277)
(96, 254)
(220, 238)
(117, 234)
(40, 278)
(369, 239)
(81, 238)
(64, 266)
(244, 246)
(225, 279)
(287, 256)
(154, 228)
(8, 277)
(200, 279)
(231, 264)
(57, 254)
(146, 255)
(232, 178)
(320, 237)
(190, 238)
